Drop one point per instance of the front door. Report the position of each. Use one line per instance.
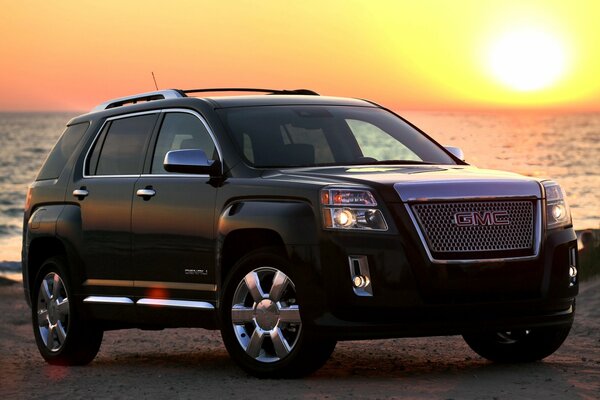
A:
(173, 219)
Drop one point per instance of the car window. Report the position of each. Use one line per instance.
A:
(377, 144)
(121, 148)
(181, 131)
(62, 151)
(315, 138)
(304, 136)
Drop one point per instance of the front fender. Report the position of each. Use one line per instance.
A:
(293, 221)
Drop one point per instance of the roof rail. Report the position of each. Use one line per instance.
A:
(269, 91)
(176, 93)
(142, 97)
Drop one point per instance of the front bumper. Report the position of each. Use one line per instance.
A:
(413, 297)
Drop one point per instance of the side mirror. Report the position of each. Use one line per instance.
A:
(190, 161)
(456, 152)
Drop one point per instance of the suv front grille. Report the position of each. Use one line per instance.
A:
(478, 229)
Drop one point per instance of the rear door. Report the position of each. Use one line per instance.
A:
(104, 191)
(173, 218)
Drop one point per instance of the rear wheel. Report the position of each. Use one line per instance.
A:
(62, 338)
(522, 345)
(261, 320)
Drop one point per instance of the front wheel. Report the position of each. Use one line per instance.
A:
(261, 321)
(516, 346)
(62, 338)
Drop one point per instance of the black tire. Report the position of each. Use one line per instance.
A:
(62, 338)
(268, 339)
(518, 346)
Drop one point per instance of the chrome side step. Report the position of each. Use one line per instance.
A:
(108, 300)
(202, 305)
(176, 303)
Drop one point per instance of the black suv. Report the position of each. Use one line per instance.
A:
(289, 221)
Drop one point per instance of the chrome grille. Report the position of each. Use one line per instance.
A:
(514, 232)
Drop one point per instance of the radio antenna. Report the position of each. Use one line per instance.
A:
(154, 79)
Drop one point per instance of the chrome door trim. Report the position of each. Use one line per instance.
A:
(202, 305)
(107, 300)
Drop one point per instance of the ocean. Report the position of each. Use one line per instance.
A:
(565, 147)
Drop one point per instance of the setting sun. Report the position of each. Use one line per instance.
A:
(527, 59)
(431, 55)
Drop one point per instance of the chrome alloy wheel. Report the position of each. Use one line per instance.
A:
(53, 312)
(265, 316)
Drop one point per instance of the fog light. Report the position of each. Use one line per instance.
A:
(572, 266)
(360, 276)
(572, 272)
(360, 281)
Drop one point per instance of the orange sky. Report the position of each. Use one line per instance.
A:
(71, 55)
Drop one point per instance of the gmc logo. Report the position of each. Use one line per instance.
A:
(485, 218)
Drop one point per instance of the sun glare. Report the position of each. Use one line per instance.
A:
(527, 59)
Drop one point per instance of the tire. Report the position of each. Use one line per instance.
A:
(262, 321)
(518, 346)
(62, 338)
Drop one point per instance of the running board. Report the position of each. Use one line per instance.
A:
(202, 305)
(176, 303)
(108, 300)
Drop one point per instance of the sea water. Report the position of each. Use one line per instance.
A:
(565, 147)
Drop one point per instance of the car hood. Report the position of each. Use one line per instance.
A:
(422, 182)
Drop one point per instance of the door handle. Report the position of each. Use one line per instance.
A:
(146, 193)
(80, 193)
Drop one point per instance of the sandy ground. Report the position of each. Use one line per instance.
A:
(192, 363)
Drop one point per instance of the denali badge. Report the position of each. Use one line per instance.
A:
(195, 271)
(484, 218)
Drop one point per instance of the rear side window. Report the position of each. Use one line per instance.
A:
(120, 149)
(61, 152)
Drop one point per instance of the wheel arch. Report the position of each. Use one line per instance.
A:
(287, 227)
(53, 230)
(40, 249)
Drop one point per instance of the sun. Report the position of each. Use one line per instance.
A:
(527, 59)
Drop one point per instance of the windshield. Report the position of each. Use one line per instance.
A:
(305, 136)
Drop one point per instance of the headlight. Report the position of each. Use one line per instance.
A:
(557, 210)
(351, 209)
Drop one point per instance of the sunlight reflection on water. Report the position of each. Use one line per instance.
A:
(564, 147)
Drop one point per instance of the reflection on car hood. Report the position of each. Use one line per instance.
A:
(414, 182)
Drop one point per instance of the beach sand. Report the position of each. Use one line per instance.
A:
(192, 363)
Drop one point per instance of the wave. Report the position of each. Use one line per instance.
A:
(10, 230)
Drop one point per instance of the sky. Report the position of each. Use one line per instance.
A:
(407, 55)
